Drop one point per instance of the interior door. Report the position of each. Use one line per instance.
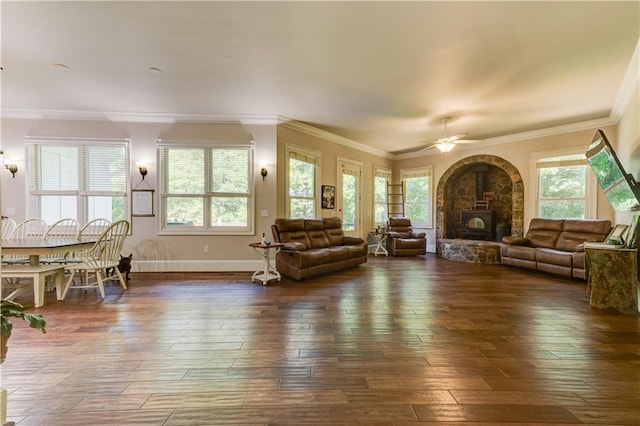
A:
(348, 197)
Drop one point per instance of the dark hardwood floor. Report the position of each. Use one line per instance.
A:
(397, 341)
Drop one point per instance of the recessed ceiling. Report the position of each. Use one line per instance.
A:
(380, 73)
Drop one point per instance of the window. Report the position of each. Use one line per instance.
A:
(83, 180)
(562, 187)
(206, 189)
(381, 178)
(417, 196)
(349, 173)
(302, 169)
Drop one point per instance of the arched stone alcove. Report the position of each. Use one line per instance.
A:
(452, 194)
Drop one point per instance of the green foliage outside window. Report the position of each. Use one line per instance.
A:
(380, 199)
(349, 202)
(302, 183)
(218, 182)
(416, 205)
(562, 192)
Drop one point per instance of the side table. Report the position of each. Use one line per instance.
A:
(269, 272)
(613, 278)
(380, 238)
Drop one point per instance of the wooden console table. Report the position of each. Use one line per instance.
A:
(613, 278)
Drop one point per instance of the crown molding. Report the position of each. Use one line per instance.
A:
(523, 136)
(138, 117)
(331, 137)
(624, 95)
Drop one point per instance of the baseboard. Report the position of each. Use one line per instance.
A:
(196, 265)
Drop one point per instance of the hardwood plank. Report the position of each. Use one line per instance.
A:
(393, 342)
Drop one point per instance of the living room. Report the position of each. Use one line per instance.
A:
(157, 247)
(58, 89)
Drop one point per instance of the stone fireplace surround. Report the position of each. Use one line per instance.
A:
(456, 191)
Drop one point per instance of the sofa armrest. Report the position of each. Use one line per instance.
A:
(294, 246)
(352, 241)
(516, 241)
(579, 247)
(418, 235)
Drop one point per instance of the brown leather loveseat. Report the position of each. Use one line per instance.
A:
(315, 246)
(555, 245)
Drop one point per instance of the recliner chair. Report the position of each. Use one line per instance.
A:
(402, 241)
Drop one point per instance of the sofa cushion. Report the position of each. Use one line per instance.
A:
(543, 238)
(318, 239)
(575, 232)
(338, 253)
(554, 257)
(546, 224)
(318, 257)
(591, 226)
(333, 230)
(522, 252)
(315, 231)
(287, 225)
(296, 237)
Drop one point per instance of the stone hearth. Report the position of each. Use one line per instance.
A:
(470, 251)
(456, 192)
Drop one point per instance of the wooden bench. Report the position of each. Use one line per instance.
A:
(39, 274)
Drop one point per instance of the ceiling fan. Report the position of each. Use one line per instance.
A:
(446, 143)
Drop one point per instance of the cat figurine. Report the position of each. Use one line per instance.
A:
(124, 266)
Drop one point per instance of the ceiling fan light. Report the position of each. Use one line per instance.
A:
(445, 146)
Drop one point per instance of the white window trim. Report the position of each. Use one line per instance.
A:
(426, 171)
(32, 204)
(591, 194)
(202, 230)
(379, 171)
(355, 168)
(310, 153)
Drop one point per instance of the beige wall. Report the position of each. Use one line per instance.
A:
(627, 146)
(330, 151)
(153, 252)
(231, 253)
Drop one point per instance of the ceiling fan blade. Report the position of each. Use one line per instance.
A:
(467, 141)
(426, 148)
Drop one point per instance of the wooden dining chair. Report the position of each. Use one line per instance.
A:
(33, 228)
(25, 230)
(64, 228)
(90, 271)
(94, 228)
(8, 227)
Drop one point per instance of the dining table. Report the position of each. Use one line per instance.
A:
(34, 248)
(38, 272)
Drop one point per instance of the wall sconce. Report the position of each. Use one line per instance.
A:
(143, 170)
(9, 165)
(263, 172)
(12, 167)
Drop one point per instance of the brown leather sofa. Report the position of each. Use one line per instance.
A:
(402, 240)
(315, 247)
(554, 245)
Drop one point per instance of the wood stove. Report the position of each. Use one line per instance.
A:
(479, 224)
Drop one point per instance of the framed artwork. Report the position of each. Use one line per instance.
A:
(142, 202)
(328, 197)
(616, 236)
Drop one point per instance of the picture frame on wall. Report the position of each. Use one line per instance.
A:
(616, 236)
(142, 202)
(328, 197)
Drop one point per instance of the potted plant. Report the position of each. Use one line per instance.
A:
(15, 310)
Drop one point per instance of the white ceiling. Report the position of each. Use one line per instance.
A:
(380, 73)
